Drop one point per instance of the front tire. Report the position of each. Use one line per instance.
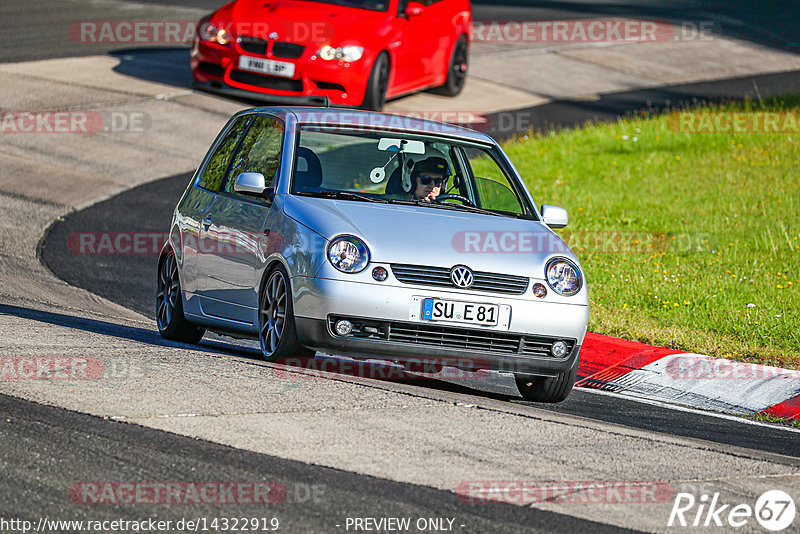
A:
(547, 389)
(456, 70)
(172, 324)
(375, 95)
(277, 332)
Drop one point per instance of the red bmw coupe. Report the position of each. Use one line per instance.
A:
(354, 52)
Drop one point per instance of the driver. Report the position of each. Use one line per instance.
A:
(427, 177)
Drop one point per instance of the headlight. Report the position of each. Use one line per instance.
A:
(209, 32)
(563, 276)
(344, 53)
(223, 37)
(348, 254)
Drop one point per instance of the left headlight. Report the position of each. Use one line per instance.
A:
(563, 276)
(344, 53)
(348, 254)
(209, 32)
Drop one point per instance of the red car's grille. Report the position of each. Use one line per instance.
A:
(267, 82)
(253, 45)
(287, 50)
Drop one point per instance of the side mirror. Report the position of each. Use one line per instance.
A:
(414, 9)
(253, 183)
(554, 217)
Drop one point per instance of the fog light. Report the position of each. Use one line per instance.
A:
(379, 274)
(343, 327)
(559, 349)
(539, 290)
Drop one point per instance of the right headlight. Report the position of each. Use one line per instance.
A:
(348, 254)
(348, 53)
(563, 276)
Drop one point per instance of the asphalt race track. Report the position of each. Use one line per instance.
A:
(84, 448)
(48, 450)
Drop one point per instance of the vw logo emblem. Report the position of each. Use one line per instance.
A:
(273, 35)
(461, 276)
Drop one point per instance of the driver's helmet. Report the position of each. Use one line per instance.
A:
(433, 164)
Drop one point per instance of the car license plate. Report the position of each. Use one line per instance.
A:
(460, 312)
(266, 66)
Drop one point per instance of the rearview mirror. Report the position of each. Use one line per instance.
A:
(554, 216)
(253, 183)
(387, 144)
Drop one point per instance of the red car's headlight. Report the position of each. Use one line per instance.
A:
(209, 32)
(344, 53)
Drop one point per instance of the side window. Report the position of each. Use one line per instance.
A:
(493, 188)
(214, 172)
(260, 151)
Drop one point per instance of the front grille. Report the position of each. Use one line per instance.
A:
(436, 335)
(287, 50)
(440, 277)
(211, 68)
(267, 82)
(253, 45)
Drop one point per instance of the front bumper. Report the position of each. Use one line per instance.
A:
(215, 69)
(387, 310)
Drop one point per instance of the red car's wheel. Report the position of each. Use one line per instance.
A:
(457, 70)
(375, 96)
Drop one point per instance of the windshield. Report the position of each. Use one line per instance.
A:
(406, 168)
(372, 5)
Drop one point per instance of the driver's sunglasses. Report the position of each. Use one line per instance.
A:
(424, 179)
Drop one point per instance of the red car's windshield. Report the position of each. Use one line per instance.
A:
(372, 5)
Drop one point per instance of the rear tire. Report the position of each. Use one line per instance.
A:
(456, 70)
(277, 332)
(375, 95)
(172, 324)
(547, 389)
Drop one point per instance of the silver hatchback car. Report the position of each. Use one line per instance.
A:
(373, 236)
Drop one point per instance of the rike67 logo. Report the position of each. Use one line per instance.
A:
(774, 511)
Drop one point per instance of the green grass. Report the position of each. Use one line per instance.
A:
(766, 418)
(690, 241)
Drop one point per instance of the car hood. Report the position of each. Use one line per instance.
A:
(424, 235)
(305, 22)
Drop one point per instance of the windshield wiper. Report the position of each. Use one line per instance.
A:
(465, 207)
(343, 195)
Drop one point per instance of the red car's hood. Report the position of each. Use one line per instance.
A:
(302, 21)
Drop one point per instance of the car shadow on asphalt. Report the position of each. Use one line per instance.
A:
(168, 65)
(322, 366)
(121, 331)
